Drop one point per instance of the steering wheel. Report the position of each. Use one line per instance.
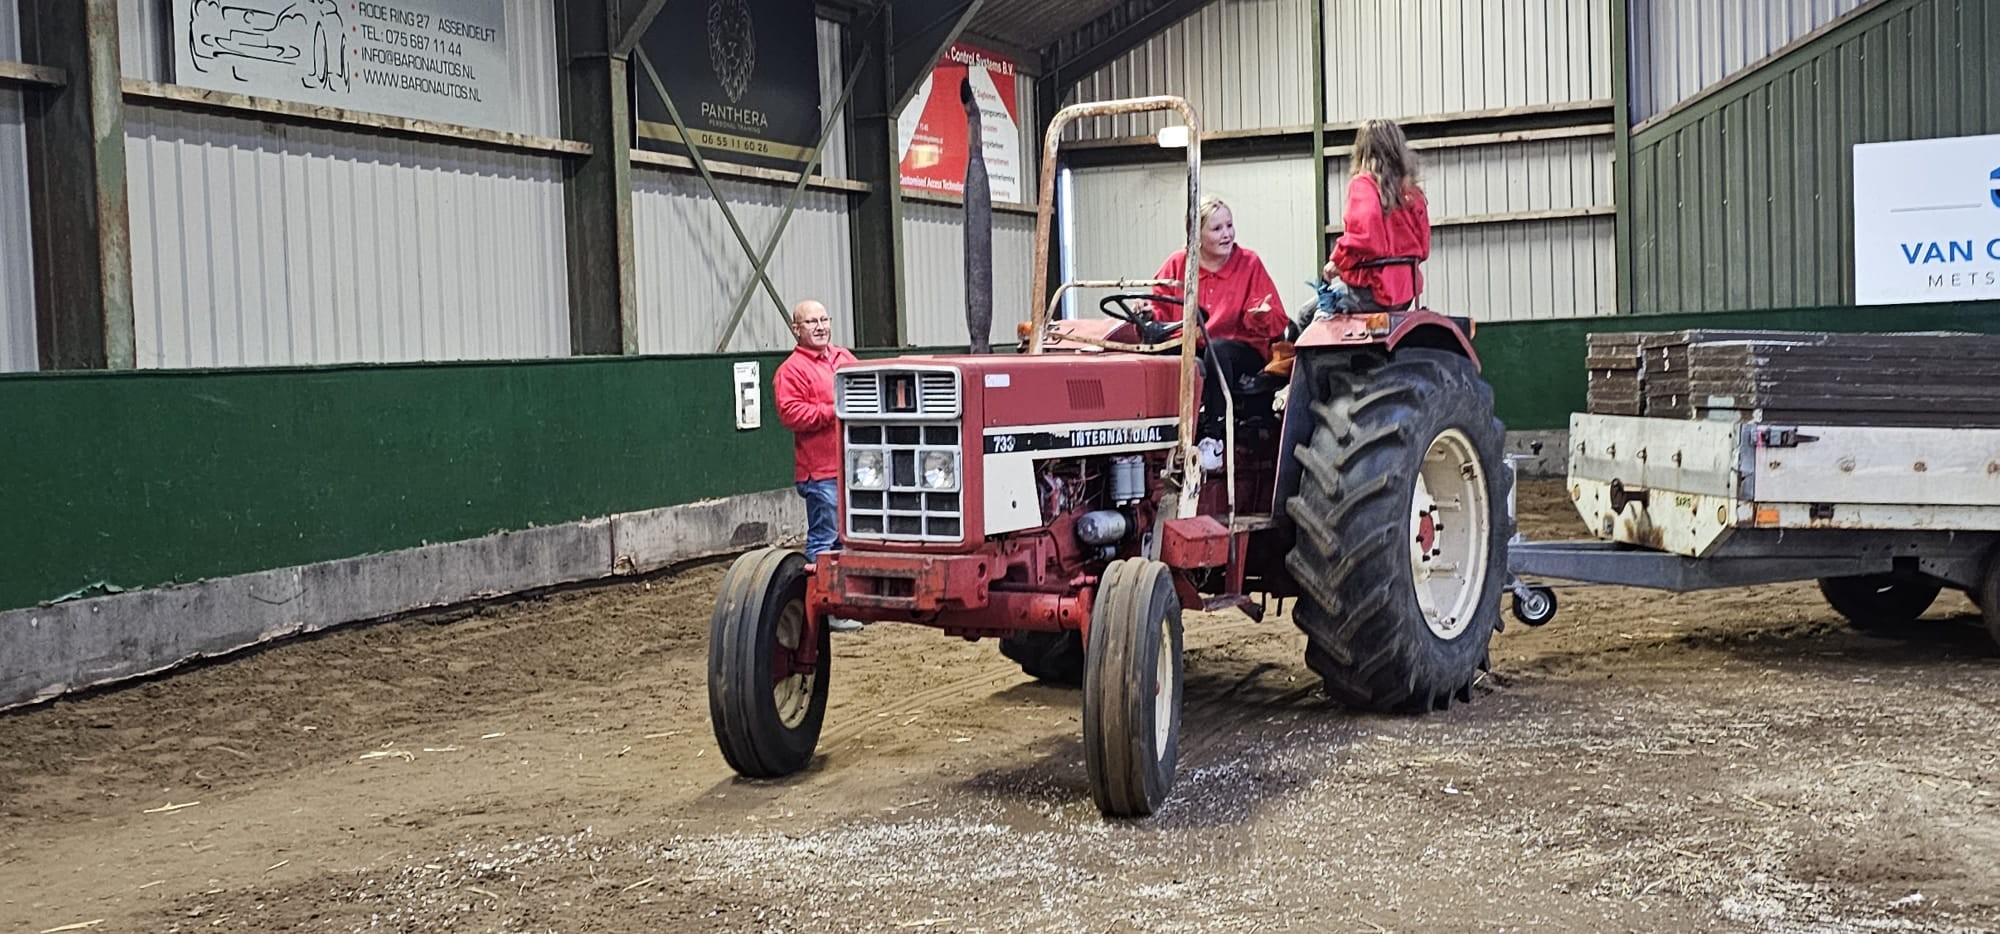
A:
(1117, 306)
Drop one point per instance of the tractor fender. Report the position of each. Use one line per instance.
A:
(1421, 328)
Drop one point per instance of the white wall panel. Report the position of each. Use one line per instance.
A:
(1243, 64)
(1682, 47)
(1510, 178)
(258, 244)
(17, 284)
(833, 158)
(1407, 58)
(1551, 267)
(10, 32)
(1128, 219)
(1521, 270)
(934, 274)
(145, 52)
(690, 267)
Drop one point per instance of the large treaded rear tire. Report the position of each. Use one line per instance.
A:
(1132, 689)
(1052, 657)
(1878, 603)
(1361, 552)
(767, 721)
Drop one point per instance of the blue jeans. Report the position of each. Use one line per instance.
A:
(822, 515)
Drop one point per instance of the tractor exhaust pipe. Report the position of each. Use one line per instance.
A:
(978, 225)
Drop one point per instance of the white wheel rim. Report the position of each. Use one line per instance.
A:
(792, 694)
(1166, 694)
(1450, 521)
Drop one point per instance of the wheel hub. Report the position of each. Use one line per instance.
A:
(1450, 521)
(1164, 698)
(791, 686)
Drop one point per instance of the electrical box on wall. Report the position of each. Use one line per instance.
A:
(749, 396)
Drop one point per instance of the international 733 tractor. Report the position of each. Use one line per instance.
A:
(1055, 500)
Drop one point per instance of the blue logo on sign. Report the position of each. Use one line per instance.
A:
(1996, 188)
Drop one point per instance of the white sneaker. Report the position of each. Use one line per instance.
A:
(843, 624)
(1211, 454)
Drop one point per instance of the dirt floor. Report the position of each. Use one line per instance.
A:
(1732, 760)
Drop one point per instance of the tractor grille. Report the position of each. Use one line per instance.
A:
(902, 419)
(903, 506)
(898, 394)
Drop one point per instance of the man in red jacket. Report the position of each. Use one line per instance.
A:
(804, 388)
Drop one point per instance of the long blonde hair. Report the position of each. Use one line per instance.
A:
(1381, 150)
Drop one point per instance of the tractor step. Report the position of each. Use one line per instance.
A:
(1252, 523)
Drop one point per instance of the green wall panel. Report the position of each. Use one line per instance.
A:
(140, 479)
(1745, 198)
(1536, 367)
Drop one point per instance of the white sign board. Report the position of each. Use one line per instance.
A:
(1927, 221)
(441, 60)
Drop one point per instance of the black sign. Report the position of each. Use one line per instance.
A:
(1105, 437)
(744, 75)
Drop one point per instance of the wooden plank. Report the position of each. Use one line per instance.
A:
(32, 76)
(175, 95)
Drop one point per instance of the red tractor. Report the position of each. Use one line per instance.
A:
(1054, 500)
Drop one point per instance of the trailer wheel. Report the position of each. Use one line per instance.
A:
(1054, 657)
(1132, 689)
(1878, 603)
(1401, 548)
(1987, 596)
(765, 705)
(1537, 608)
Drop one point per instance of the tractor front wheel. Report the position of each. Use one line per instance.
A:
(1401, 548)
(1132, 688)
(1052, 657)
(765, 702)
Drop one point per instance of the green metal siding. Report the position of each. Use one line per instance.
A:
(1745, 200)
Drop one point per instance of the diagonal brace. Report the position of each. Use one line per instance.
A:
(701, 165)
(792, 200)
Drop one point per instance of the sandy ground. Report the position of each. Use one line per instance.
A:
(1737, 760)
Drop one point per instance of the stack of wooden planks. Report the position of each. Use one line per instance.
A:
(1815, 378)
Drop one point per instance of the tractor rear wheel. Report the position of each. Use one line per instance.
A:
(1132, 689)
(765, 704)
(1401, 547)
(1878, 603)
(1054, 657)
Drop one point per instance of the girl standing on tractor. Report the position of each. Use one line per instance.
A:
(1386, 225)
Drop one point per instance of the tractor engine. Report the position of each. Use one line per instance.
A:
(977, 490)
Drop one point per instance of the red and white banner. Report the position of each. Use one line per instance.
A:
(932, 128)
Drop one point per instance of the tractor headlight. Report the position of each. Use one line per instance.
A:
(864, 470)
(940, 470)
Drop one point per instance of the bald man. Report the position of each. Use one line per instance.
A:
(804, 388)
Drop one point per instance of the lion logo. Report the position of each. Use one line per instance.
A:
(732, 45)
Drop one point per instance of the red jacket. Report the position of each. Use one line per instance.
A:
(1368, 235)
(1233, 296)
(804, 387)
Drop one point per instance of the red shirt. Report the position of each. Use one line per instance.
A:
(1368, 235)
(1241, 299)
(804, 387)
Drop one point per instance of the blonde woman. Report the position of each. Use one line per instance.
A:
(1236, 291)
(1386, 224)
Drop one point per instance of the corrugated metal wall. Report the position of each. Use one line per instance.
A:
(1746, 200)
(254, 243)
(1682, 47)
(690, 266)
(17, 286)
(833, 158)
(1500, 268)
(1404, 58)
(144, 52)
(934, 276)
(1243, 64)
(1128, 219)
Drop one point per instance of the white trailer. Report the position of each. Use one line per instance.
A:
(1884, 518)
